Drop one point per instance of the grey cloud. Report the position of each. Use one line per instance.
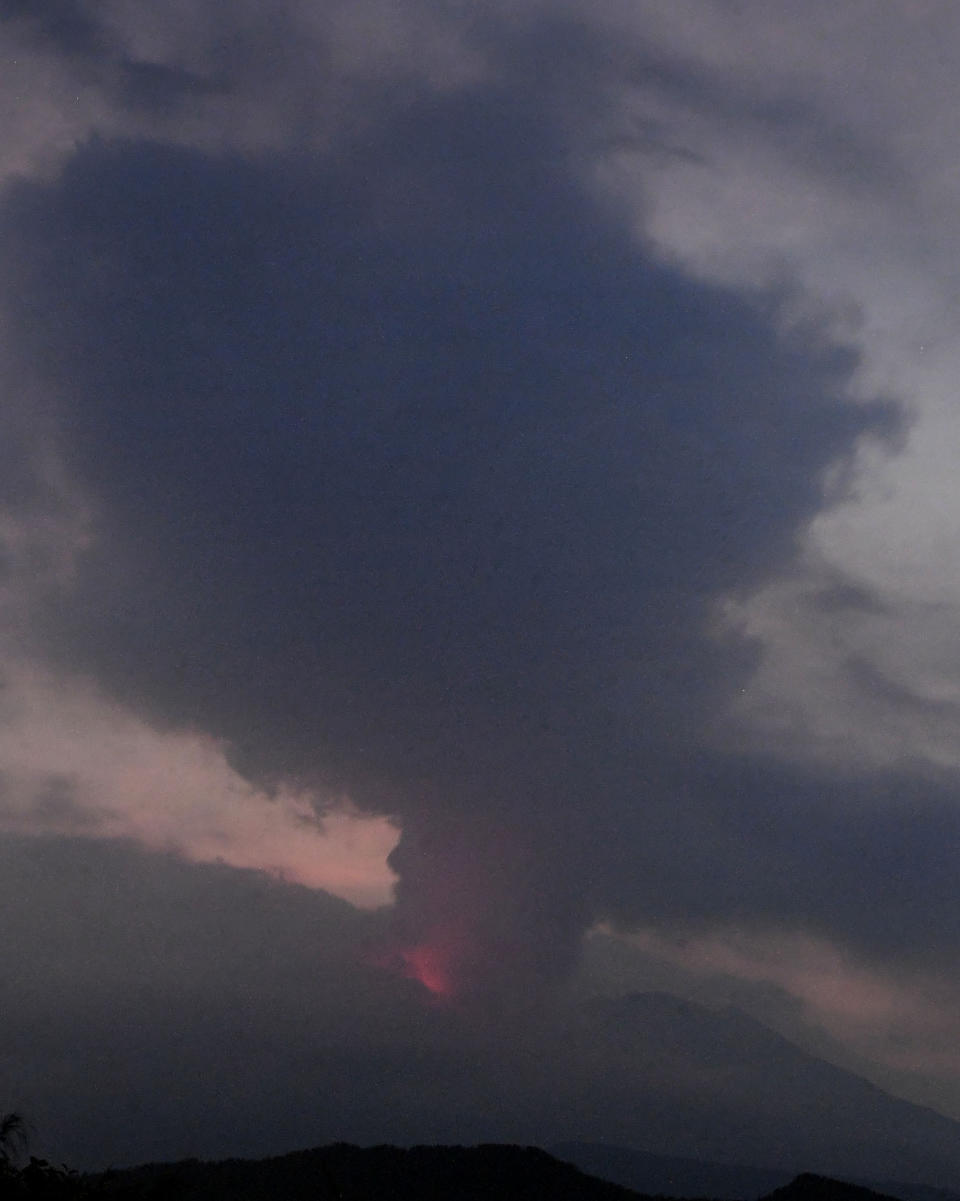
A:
(143, 986)
(56, 802)
(155, 86)
(866, 861)
(872, 681)
(155, 1010)
(64, 25)
(843, 597)
(800, 129)
(416, 477)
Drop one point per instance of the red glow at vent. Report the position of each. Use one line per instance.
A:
(430, 965)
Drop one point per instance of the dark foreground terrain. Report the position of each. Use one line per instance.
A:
(348, 1173)
(672, 1176)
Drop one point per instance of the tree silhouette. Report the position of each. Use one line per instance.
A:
(13, 1138)
(37, 1180)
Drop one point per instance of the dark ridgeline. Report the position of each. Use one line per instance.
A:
(809, 1187)
(348, 1173)
(673, 1175)
(385, 1173)
(676, 1176)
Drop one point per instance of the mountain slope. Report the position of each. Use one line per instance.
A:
(649, 1070)
(672, 1176)
(808, 1187)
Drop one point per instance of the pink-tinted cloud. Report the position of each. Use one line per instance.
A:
(74, 764)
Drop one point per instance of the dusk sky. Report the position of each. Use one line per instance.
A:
(479, 531)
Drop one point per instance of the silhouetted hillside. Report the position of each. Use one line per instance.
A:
(809, 1187)
(675, 1176)
(655, 1071)
(348, 1173)
(671, 1175)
